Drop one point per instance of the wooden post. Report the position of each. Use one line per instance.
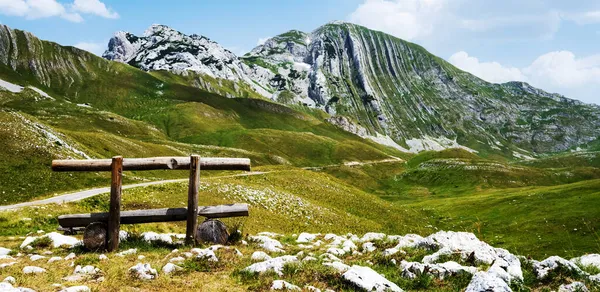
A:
(114, 212)
(192, 208)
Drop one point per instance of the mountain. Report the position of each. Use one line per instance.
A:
(380, 87)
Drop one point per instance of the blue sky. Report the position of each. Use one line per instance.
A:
(554, 45)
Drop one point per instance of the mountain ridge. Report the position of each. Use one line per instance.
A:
(384, 88)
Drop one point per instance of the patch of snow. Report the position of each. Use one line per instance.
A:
(369, 280)
(10, 86)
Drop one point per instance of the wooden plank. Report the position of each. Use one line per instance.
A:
(114, 211)
(192, 209)
(153, 163)
(154, 215)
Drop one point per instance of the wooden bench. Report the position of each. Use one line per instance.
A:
(115, 217)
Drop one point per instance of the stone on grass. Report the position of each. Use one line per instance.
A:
(368, 247)
(8, 287)
(70, 256)
(338, 266)
(370, 236)
(573, 287)
(177, 260)
(150, 236)
(54, 259)
(59, 240)
(349, 246)
(336, 251)
(170, 268)
(143, 272)
(274, 264)
(127, 252)
(4, 251)
(544, 267)
(206, 253)
(484, 281)
(369, 280)
(33, 270)
(76, 289)
(283, 285)
(588, 260)
(83, 273)
(36, 257)
(4, 265)
(267, 243)
(260, 256)
(102, 257)
(212, 230)
(10, 280)
(306, 237)
(94, 236)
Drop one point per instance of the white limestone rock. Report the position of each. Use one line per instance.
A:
(267, 243)
(484, 281)
(143, 272)
(150, 236)
(588, 260)
(260, 256)
(177, 260)
(4, 251)
(54, 259)
(170, 268)
(369, 280)
(70, 256)
(338, 266)
(127, 252)
(103, 257)
(283, 285)
(573, 287)
(370, 236)
(10, 280)
(36, 257)
(33, 270)
(306, 237)
(368, 247)
(206, 253)
(77, 289)
(336, 251)
(542, 268)
(274, 264)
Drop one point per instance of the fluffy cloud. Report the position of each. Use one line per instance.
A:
(407, 19)
(94, 48)
(489, 71)
(35, 9)
(559, 71)
(94, 7)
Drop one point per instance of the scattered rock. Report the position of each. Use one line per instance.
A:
(83, 273)
(4, 251)
(336, 251)
(588, 260)
(205, 254)
(54, 259)
(368, 247)
(8, 287)
(267, 243)
(70, 256)
(177, 260)
(141, 257)
(127, 252)
(158, 237)
(369, 280)
(306, 237)
(143, 272)
(212, 230)
(10, 280)
(372, 236)
(484, 281)
(102, 257)
(274, 264)
(573, 287)
(76, 289)
(542, 268)
(36, 257)
(338, 266)
(283, 285)
(170, 268)
(412, 270)
(260, 256)
(33, 270)
(4, 265)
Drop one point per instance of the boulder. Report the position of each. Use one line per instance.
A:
(369, 280)
(94, 236)
(274, 264)
(170, 268)
(484, 281)
(260, 256)
(573, 287)
(33, 270)
(213, 231)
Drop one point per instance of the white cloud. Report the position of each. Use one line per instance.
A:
(559, 71)
(94, 7)
(94, 48)
(261, 41)
(36, 9)
(587, 17)
(407, 19)
(489, 71)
